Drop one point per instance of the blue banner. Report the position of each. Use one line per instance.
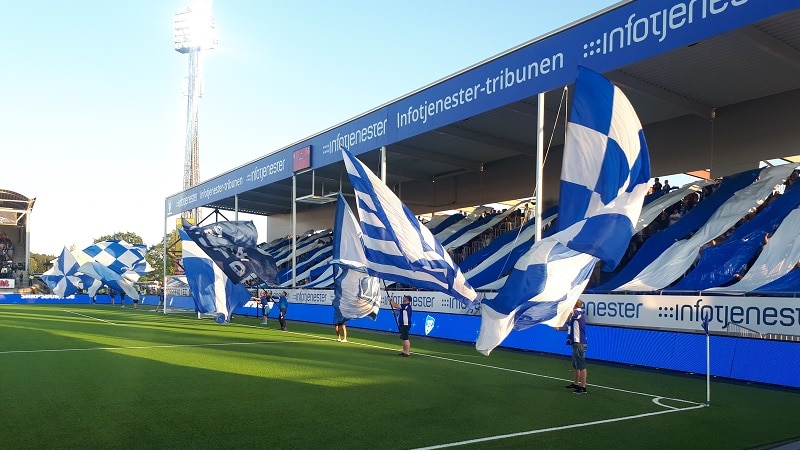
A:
(619, 36)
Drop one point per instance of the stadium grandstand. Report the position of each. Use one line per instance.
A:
(715, 92)
(15, 211)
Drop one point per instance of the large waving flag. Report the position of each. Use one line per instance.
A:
(604, 179)
(397, 246)
(119, 256)
(232, 246)
(108, 277)
(62, 278)
(212, 290)
(356, 294)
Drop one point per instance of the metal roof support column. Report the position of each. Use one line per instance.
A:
(537, 207)
(383, 164)
(236, 207)
(28, 242)
(294, 230)
(163, 292)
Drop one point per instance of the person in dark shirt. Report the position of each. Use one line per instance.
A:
(403, 315)
(576, 338)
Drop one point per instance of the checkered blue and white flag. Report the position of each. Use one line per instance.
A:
(604, 179)
(108, 277)
(397, 246)
(120, 256)
(62, 278)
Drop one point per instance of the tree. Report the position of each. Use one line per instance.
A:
(127, 236)
(155, 257)
(40, 262)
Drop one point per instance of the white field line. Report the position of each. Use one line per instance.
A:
(656, 398)
(146, 347)
(88, 317)
(564, 427)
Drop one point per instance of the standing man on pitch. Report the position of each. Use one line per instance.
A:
(576, 337)
(341, 330)
(403, 315)
(283, 304)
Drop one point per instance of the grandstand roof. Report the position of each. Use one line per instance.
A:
(14, 207)
(722, 102)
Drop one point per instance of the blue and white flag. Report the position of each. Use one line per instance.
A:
(224, 234)
(604, 179)
(109, 277)
(231, 245)
(119, 256)
(356, 294)
(212, 290)
(397, 246)
(62, 278)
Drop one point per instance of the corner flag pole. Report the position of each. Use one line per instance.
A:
(706, 319)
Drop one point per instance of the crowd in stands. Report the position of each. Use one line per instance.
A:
(6, 257)
(673, 213)
(511, 222)
(669, 216)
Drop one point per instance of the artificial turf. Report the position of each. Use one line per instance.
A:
(98, 376)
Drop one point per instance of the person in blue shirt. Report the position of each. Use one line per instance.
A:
(403, 315)
(576, 337)
(283, 304)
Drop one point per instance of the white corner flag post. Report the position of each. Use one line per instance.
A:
(706, 319)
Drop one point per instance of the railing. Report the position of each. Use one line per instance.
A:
(733, 329)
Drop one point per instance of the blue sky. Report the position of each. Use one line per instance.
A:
(92, 119)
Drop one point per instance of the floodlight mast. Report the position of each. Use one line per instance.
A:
(194, 32)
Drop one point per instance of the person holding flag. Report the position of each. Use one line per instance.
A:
(403, 316)
(266, 305)
(341, 330)
(576, 338)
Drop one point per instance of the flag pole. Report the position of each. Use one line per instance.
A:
(708, 369)
(706, 320)
(394, 315)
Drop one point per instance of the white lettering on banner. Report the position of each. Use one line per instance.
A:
(778, 315)
(221, 187)
(435, 302)
(686, 313)
(656, 25)
(263, 172)
(349, 140)
(506, 78)
(183, 201)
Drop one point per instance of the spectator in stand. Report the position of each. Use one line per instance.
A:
(666, 187)
(675, 215)
(656, 185)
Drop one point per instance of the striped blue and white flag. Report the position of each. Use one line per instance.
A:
(604, 178)
(212, 290)
(356, 294)
(397, 246)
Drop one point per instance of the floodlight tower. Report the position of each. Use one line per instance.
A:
(194, 32)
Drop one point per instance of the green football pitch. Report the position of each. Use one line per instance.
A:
(98, 376)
